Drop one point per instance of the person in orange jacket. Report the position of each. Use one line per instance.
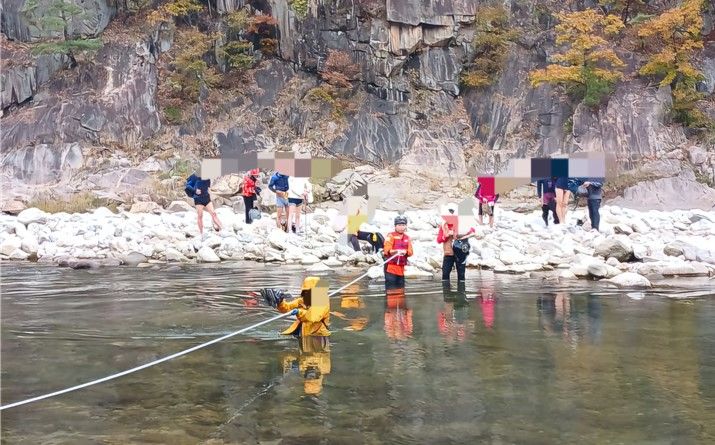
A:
(313, 308)
(399, 243)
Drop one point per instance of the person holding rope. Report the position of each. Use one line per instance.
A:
(397, 243)
(313, 308)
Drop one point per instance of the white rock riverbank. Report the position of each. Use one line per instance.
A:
(650, 244)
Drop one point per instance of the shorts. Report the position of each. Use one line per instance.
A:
(562, 183)
(281, 202)
(295, 201)
(202, 200)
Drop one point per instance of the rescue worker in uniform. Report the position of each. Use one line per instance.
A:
(312, 311)
(312, 308)
(399, 243)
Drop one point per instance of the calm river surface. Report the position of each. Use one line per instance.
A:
(505, 360)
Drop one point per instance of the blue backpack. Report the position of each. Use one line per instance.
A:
(190, 187)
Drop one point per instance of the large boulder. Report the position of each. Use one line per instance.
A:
(133, 259)
(346, 183)
(13, 207)
(32, 215)
(179, 206)
(614, 248)
(10, 244)
(227, 185)
(630, 279)
(145, 207)
(207, 255)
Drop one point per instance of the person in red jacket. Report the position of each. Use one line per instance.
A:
(399, 243)
(249, 192)
(447, 235)
(486, 196)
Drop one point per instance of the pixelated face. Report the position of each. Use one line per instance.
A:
(400, 228)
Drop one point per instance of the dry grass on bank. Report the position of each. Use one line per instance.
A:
(77, 203)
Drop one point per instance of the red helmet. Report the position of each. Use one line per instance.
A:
(254, 172)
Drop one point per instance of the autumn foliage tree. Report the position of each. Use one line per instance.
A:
(189, 70)
(491, 42)
(672, 40)
(177, 10)
(587, 66)
(339, 69)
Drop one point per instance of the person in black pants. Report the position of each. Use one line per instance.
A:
(546, 189)
(452, 243)
(250, 192)
(595, 194)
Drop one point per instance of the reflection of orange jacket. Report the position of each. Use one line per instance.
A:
(395, 269)
(398, 318)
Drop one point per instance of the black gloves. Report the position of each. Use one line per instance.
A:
(273, 297)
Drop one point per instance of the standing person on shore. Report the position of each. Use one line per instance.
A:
(546, 189)
(399, 243)
(250, 192)
(486, 197)
(300, 192)
(455, 246)
(198, 189)
(279, 185)
(563, 194)
(593, 199)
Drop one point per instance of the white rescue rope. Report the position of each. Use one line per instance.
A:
(172, 356)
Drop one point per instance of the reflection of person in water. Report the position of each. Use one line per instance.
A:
(398, 317)
(556, 311)
(487, 300)
(560, 313)
(453, 321)
(312, 362)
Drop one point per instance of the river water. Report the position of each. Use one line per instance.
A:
(503, 360)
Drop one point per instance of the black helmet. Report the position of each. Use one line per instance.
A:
(401, 220)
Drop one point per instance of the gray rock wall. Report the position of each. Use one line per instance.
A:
(17, 25)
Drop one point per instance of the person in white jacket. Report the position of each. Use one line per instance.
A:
(300, 192)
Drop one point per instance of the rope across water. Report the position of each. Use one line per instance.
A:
(175, 355)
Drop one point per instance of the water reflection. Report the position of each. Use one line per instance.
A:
(453, 319)
(398, 317)
(487, 302)
(571, 319)
(483, 364)
(311, 362)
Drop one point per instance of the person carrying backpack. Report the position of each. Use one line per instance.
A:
(279, 185)
(455, 247)
(198, 189)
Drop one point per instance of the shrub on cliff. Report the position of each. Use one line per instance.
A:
(339, 69)
(587, 66)
(189, 70)
(491, 41)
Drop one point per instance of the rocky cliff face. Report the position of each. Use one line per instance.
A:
(408, 107)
